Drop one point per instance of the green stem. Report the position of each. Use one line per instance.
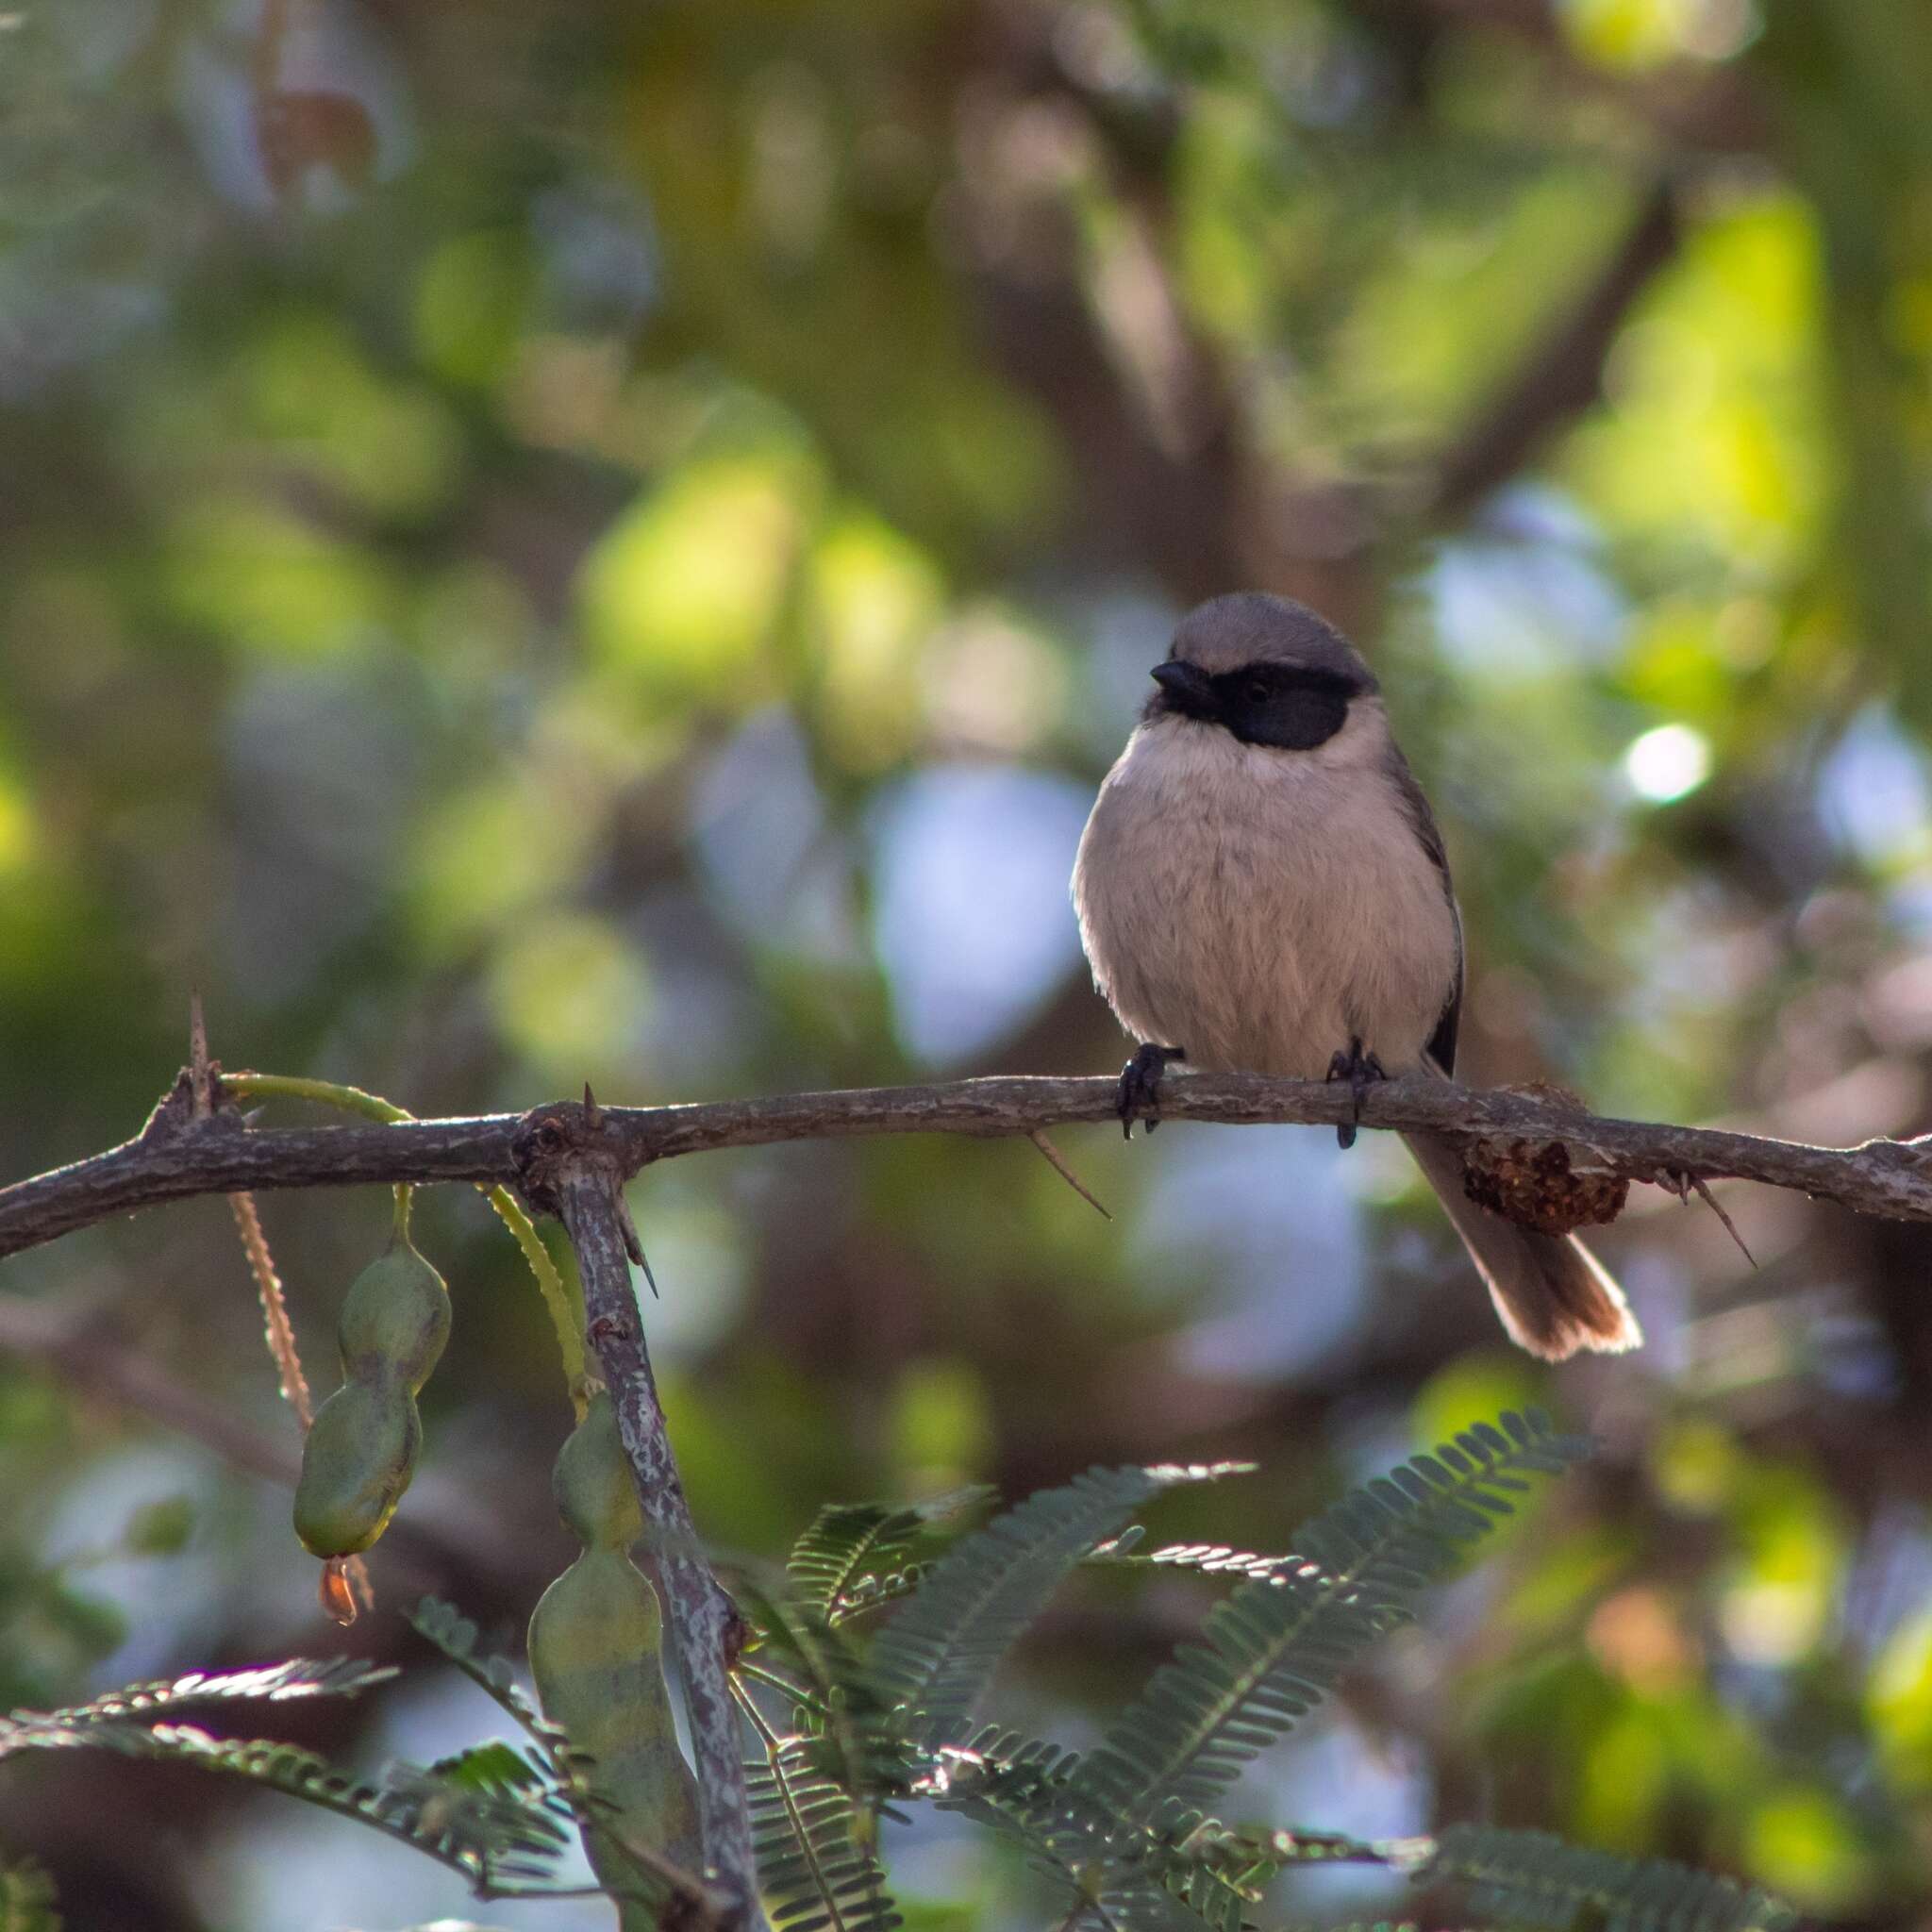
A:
(557, 1298)
(326, 1092)
(564, 1308)
(799, 1695)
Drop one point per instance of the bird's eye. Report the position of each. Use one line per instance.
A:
(1255, 690)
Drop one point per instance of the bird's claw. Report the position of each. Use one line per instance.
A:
(1361, 1071)
(1140, 1085)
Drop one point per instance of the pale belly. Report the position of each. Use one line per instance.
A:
(1263, 940)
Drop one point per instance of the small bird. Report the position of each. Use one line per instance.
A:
(1262, 888)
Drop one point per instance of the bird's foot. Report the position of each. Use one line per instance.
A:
(1361, 1071)
(1140, 1085)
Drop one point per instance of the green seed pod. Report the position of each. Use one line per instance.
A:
(396, 1316)
(597, 1647)
(592, 1485)
(356, 1465)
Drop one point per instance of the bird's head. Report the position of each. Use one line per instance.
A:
(1265, 669)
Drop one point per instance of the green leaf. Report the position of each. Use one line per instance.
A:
(938, 1655)
(495, 1837)
(494, 1766)
(1208, 1560)
(1275, 1648)
(850, 1544)
(834, 1705)
(1031, 1791)
(815, 1848)
(283, 1683)
(499, 1817)
(455, 1636)
(490, 1810)
(1219, 1871)
(1529, 1879)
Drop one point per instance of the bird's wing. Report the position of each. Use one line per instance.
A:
(1441, 1046)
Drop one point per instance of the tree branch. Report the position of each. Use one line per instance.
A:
(575, 1166)
(173, 1160)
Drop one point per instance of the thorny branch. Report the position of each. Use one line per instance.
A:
(574, 1161)
(572, 1166)
(175, 1158)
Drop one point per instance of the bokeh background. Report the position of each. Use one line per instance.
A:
(617, 541)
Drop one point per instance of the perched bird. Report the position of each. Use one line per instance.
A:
(1262, 888)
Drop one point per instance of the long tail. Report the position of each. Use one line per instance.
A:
(1554, 1296)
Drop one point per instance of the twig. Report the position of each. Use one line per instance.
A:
(1058, 1162)
(1716, 1207)
(573, 1163)
(174, 1159)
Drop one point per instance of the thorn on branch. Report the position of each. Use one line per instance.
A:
(562, 1135)
(195, 1098)
(633, 1243)
(1058, 1162)
(176, 1157)
(1682, 1181)
(553, 1137)
(200, 1069)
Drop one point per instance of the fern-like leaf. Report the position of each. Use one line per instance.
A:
(852, 1545)
(492, 1836)
(1209, 1559)
(796, 1637)
(455, 1636)
(1220, 1871)
(834, 1705)
(496, 1829)
(1029, 1791)
(492, 1814)
(939, 1654)
(491, 1810)
(874, 1592)
(283, 1683)
(815, 1849)
(1528, 1879)
(1275, 1647)
(1216, 1873)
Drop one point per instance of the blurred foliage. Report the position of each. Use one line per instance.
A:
(851, 1717)
(547, 542)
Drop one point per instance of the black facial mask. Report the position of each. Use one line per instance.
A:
(1289, 706)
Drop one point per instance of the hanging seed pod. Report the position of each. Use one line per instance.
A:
(596, 1645)
(395, 1316)
(356, 1465)
(361, 1451)
(591, 1483)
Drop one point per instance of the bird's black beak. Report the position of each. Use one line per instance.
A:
(1186, 689)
